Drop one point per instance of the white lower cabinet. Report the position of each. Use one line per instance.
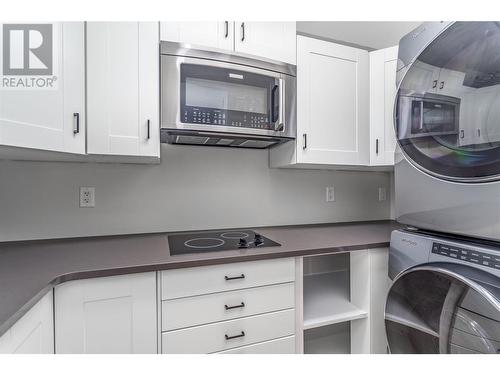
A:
(33, 333)
(248, 305)
(115, 314)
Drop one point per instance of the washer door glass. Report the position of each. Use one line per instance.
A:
(443, 309)
(448, 105)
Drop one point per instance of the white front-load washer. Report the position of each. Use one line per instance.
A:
(445, 296)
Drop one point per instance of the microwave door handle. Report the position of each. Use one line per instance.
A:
(281, 126)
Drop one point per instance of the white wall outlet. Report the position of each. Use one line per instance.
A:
(87, 196)
(382, 194)
(330, 194)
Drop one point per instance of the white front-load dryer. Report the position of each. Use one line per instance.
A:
(445, 296)
(447, 123)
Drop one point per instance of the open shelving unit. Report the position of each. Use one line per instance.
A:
(336, 303)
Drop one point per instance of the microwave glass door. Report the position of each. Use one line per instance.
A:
(228, 97)
(448, 105)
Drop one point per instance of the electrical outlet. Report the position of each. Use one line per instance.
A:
(382, 194)
(330, 194)
(87, 196)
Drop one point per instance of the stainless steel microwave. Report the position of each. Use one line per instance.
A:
(217, 99)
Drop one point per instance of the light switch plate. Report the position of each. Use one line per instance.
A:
(330, 194)
(382, 194)
(87, 196)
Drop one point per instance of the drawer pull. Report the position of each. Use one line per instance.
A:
(242, 276)
(242, 334)
(235, 306)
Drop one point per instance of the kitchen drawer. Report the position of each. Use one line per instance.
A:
(185, 312)
(217, 337)
(284, 345)
(187, 282)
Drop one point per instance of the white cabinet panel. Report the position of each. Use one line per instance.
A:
(271, 40)
(379, 287)
(219, 278)
(122, 88)
(33, 333)
(209, 34)
(285, 345)
(383, 65)
(332, 103)
(45, 118)
(230, 334)
(107, 315)
(185, 312)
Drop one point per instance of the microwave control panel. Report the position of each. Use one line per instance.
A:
(211, 116)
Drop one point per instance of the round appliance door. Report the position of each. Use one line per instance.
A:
(443, 308)
(447, 113)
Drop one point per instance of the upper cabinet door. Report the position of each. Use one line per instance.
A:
(42, 87)
(108, 315)
(332, 103)
(383, 64)
(123, 88)
(271, 40)
(208, 34)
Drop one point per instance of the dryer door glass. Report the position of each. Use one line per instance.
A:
(434, 310)
(448, 105)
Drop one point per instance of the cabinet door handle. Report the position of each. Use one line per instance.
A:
(235, 306)
(434, 83)
(242, 31)
(76, 117)
(478, 132)
(462, 134)
(148, 136)
(441, 85)
(304, 136)
(227, 278)
(376, 146)
(226, 29)
(242, 334)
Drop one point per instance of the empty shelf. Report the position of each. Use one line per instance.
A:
(326, 300)
(398, 311)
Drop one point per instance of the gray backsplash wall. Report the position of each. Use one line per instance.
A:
(192, 188)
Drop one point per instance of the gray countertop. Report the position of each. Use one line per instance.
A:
(28, 270)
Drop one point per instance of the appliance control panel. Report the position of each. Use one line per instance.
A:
(467, 255)
(211, 116)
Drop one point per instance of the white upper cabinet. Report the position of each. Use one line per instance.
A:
(42, 90)
(123, 88)
(332, 107)
(109, 315)
(209, 34)
(272, 40)
(34, 332)
(383, 65)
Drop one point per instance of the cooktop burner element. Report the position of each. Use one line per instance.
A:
(198, 242)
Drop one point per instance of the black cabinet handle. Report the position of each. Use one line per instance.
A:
(242, 334)
(376, 146)
(304, 146)
(226, 28)
(235, 306)
(441, 86)
(227, 278)
(149, 130)
(242, 31)
(76, 117)
(434, 83)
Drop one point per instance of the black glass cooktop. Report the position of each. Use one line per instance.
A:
(200, 242)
